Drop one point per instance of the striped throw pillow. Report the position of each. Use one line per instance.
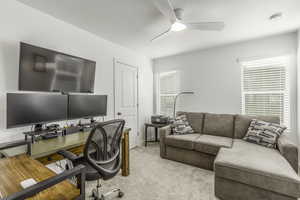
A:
(264, 133)
(181, 126)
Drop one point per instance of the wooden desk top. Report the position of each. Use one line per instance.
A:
(50, 146)
(22, 167)
(47, 147)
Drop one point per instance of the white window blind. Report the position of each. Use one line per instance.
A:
(168, 88)
(265, 88)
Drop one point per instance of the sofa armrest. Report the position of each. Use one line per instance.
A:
(163, 132)
(289, 151)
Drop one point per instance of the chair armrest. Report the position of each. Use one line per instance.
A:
(163, 133)
(289, 151)
(69, 155)
(43, 185)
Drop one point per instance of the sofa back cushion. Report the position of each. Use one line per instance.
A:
(218, 125)
(242, 123)
(195, 119)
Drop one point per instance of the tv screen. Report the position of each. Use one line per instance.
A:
(46, 70)
(28, 109)
(84, 106)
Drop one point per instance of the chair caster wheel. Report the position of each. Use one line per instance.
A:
(120, 194)
(95, 195)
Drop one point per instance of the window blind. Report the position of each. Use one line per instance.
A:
(168, 88)
(265, 88)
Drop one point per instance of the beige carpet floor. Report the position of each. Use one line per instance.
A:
(153, 178)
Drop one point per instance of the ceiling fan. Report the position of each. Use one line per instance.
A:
(175, 16)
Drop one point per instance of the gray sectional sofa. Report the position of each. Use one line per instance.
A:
(243, 171)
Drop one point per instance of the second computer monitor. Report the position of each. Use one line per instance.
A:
(86, 106)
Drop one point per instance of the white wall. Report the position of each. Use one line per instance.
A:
(298, 88)
(214, 74)
(22, 23)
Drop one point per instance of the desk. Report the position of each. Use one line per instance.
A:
(45, 150)
(21, 167)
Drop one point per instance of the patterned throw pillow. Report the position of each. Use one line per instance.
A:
(181, 126)
(264, 133)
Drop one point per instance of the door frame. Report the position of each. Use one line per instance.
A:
(115, 61)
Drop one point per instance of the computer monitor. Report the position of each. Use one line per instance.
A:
(87, 106)
(35, 108)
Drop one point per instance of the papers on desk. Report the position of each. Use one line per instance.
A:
(27, 183)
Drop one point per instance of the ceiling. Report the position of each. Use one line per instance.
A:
(132, 23)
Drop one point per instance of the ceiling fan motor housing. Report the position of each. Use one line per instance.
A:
(179, 13)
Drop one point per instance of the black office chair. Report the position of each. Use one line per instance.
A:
(101, 155)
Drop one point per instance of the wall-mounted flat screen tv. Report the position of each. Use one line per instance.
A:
(51, 71)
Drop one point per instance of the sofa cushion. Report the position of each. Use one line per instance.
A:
(182, 141)
(257, 166)
(242, 123)
(195, 119)
(218, 125)
(211, 144)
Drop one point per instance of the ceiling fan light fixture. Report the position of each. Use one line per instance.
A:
(276, 16)
(178, 26)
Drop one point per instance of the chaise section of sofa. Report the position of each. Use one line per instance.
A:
(285, 146)
(251, 167)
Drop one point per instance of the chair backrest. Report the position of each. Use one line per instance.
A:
(102, 149)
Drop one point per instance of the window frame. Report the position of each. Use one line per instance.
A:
(283, 61)
(159, 94)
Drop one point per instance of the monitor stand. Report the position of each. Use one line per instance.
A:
(39, 131)
(38, 127)
(86, 121)
(87, 126)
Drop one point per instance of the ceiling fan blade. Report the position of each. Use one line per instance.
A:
(160, 35)
(206, 26)
(166, 8)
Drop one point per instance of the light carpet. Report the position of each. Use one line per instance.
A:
(154, 178)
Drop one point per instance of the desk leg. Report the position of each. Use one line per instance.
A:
(146, 133)
(156, 133)
(125, 154)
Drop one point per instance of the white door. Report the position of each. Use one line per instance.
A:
(126, 101)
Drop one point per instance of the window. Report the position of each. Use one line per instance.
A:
(265, 88)
(168, 87)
